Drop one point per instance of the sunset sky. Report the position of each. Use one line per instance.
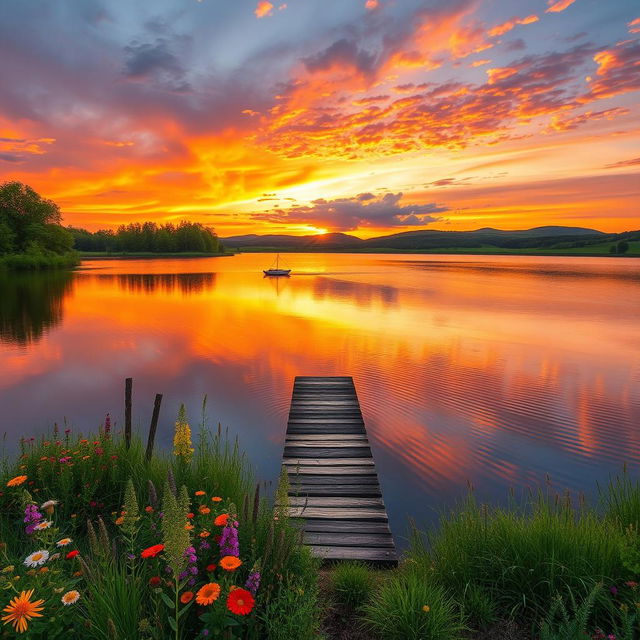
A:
(362, 116)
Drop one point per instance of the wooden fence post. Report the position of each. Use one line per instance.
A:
(128, 387)
(154, 425)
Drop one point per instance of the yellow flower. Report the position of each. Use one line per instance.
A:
(426, 608)
(20, 610)
(182, 437)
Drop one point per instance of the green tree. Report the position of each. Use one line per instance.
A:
(622, 247)
(28, 217)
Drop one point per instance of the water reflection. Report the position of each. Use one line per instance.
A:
(31, 304)
(490, 371)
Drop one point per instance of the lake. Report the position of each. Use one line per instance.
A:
(488, 370)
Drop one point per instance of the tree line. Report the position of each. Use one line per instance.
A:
(149, 237)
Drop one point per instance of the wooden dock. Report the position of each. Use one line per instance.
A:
(334, 486)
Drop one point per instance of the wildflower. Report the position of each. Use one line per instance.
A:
(64, 542)
(20, 610)
(186, 597)
(155, 581)
(204, 534)
(149, 509)
(631, 583)
(43, 570)
(188, 527)
(8, 569)
(182, 439)
(41, 526)
(240, 602)
(37, 558)
(253, 582)
(17, 481)
(65, 460)
(72, 554)
(119, 520)
(48, 506)
(426, 608)
(209, 567)
(200, 493)
(208, 594)
(230, 563)
(229, 545)
(191, 516)
(204, 510)
(221, 520)
(152, 552)
(216, 499)
(71, 597)
(77, 574)
(55, 556)
(613, 590)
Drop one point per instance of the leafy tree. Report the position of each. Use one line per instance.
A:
(29, 222)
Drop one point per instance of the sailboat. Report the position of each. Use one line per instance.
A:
(277, 271)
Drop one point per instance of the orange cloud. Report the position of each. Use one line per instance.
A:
(264, 9)
(634, 26)
(555, 6)
(500, 73)
(371, 4)
(503, 28)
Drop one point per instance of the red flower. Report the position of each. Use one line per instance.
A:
(155, 581)
(152, 552)
(221, 520)
(72, 554)
(240, 602)
(211, 567)
(186, 597)
(189, 515)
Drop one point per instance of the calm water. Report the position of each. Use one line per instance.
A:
(489, 370)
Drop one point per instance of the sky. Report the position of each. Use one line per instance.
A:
(306, 116)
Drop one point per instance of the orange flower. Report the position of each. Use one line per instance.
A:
(119, 520)
(208, 594)
(240, 602)
(221, 520)
(149, 509)
(188, 527)
(230, 563)
(204, 510)
(216, 499)
(204, 534)
(201, 493)
(16, 482)
(20, 610)
(190, 515)
(186, 597)
(152, 552)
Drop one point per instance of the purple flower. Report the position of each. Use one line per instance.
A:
(31, 518)
(614, 590)
(64, 460)
(193, 571)
(205, 632)
(191, 582)
(229, 542)
(253, 582)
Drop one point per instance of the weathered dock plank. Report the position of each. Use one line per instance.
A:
(334, 489)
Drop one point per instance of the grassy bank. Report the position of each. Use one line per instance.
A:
(104, 544)
(88, 255)
(39, 261)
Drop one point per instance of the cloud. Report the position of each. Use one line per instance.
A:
(505, 27)
(634, 26)
(624, 163)
(371, 4)
(145, 60)
(618, 71)
(363, 210)
(264, 9)
(555, 6)
(342, 53)
(560, 123)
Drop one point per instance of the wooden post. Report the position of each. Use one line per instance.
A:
(154, 425)
(128, 387)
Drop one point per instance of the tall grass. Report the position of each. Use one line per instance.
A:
(39, 261)
(352, 583)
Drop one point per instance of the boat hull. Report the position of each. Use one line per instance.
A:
(277, 272)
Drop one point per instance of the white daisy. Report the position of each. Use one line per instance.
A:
(64, 542)
(49, 504)
(71, 597)
(37, 558)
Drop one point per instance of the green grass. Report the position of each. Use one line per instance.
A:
(352, 583)
(38, 261)
(85, 255)
(411, 605)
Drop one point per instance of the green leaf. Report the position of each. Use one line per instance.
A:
(172, 623)
(184, 609)
(167, 600)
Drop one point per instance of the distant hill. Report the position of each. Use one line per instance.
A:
(538, 238)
